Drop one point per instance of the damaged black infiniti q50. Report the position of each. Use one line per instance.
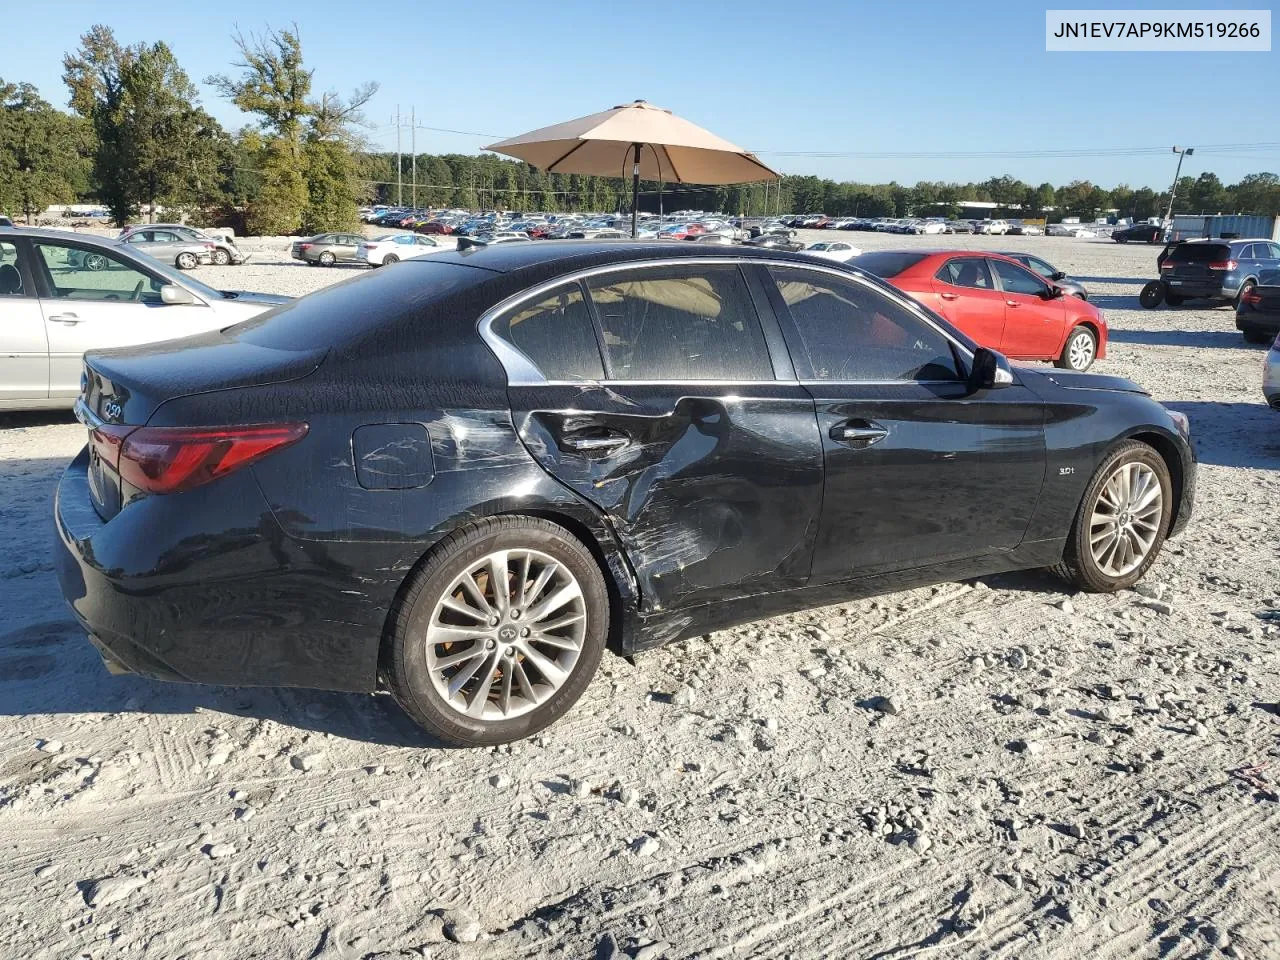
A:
(460, 478)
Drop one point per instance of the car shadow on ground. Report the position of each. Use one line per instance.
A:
(1107, 301)
(1233, 434)
(1229, 339)
(1111, 279)
(36, 418)
(49, 667)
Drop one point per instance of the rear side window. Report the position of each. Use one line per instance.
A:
(887, 263)
(555, 332)
(967, 272)
(1200, 253)
(854, 333)
(680, 323)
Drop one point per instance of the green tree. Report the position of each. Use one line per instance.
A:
(43, 152)
(155, 144)
(1208, 195)
(1257, 193)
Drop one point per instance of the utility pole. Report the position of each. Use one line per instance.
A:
(399, 170)
(413, 153)
(1173, 190)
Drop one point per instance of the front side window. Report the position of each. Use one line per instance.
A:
(1016, 279)
(680, 323)
(10, 276)
(854, 333)
(87, 274)
(555, 332)
(1039, 266)
(967, 272)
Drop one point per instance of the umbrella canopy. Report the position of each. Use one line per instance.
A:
(656, 143)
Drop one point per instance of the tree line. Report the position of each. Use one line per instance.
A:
(137, 136)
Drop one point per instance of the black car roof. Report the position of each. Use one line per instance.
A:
(563, 256)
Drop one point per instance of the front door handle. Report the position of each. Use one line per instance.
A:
(949, 296)
(1013, 303)
(67, 318)
(594, 443)
(858, 433)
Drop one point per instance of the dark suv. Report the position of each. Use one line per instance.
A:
(1223, 270)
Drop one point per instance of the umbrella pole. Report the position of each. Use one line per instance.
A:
(635, 191)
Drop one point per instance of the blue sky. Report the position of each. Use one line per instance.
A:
(826, 76)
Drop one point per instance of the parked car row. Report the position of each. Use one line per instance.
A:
(185, 247)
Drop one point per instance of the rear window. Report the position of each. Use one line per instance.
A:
(343, 313)
(1200, 252)
(886, 263)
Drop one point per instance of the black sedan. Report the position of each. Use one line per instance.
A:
(1140, 233)
(460, 478)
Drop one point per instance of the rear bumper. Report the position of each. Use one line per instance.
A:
(1199, 289)
(164, 597)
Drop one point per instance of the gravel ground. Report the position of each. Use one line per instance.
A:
(1050, 776)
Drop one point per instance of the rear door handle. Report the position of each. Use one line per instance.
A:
(594, 443)
(68, 318)
(858, 433)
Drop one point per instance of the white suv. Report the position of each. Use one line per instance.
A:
(992, 227)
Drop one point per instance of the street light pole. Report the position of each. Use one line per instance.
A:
(1173, 190)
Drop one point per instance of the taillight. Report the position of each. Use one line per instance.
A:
(211, 246)
(304, 246)
(1227, 265)
(1251, 296)
(176, 459)
(1166, 266)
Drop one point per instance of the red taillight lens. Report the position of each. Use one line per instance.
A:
(175, 459)
(1227, 265)
(1166, 266)
(1252, 296)
(304, 246)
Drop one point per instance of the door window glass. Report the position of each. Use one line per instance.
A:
(852, 332)
(555, 332)
(86, 274)
(165, 236)
(1039, 266)
(967, 272)
(1016, 279)
(10, 275)
(680, 323)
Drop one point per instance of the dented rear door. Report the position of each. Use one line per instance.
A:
(707, 463)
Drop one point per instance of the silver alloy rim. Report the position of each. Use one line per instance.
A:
(96, 261)
(1080, 353)
(506, 634)
(1126, 519)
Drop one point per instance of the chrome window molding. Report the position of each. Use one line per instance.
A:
(521, 371)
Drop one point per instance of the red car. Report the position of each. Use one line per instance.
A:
(998, 302)
(435, 226)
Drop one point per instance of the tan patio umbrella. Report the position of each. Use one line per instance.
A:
(658, 144)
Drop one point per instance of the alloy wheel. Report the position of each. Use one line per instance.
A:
(506, 634)
(1125, 522)
(1080, 351)
(95, 261)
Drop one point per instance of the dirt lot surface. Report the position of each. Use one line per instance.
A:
(1055, 777)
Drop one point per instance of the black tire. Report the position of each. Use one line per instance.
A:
(221, 258)
(1174, 299)
(1120, 239)
(1079, 334)
(187, 261)
(327, 259)
(1257, 336)
(1078, 566)
(389, 259)
(1152, 295)
(407, 673)
(1246, 287)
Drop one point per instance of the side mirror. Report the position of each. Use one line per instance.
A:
(990, 370)
(1060, 275)
(1050, 292)
(174, 295)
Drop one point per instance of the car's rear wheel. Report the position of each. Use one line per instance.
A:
(1079, 350)
(389, 259)
(1152, 294)
(327, 259)
(221, 257)
(499, 632)
(187, 261)
(1122, 520)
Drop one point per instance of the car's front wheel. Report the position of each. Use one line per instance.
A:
(499, 632)
(1122, 520)
(187, 261)
(1079, 350)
